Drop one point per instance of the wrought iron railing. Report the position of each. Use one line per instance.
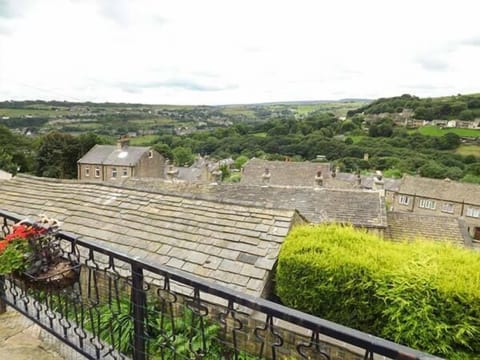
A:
(124, 307)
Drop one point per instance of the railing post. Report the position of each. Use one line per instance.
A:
(3, 306)
(139, 303)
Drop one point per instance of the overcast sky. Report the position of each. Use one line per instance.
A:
(221, 52)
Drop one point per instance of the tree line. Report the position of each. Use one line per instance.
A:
(463, 107)
(346, 144)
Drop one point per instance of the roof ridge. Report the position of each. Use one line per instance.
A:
(162, 192)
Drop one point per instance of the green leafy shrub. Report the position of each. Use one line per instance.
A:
(422, 294)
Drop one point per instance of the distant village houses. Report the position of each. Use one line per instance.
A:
(440, 197)
(110, 162)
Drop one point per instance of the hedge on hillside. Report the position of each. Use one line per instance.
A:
(425, 295)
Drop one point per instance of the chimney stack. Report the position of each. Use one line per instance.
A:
(318, 179)
(123, 142)
(359, 179)
(378, 183)
(172, 173)
(266, 177)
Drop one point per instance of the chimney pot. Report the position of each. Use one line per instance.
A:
(266, 176)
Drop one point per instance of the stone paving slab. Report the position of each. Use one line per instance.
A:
(20, 339)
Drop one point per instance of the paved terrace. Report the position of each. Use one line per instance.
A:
(234, 245)
(21, 340)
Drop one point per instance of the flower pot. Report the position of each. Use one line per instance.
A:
(61, 273)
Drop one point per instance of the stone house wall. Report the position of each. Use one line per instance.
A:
(151, 164)
(428, 206)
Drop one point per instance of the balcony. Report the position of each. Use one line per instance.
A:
(124, 307)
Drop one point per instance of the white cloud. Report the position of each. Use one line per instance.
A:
(194, 52)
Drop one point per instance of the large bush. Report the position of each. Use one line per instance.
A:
(422, 294)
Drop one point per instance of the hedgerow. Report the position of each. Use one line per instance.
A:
(423, 294)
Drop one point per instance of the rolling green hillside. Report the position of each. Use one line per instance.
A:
(463, 107)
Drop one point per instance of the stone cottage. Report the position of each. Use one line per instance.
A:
(112, 162)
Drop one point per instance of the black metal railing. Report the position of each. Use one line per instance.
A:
(124, 307)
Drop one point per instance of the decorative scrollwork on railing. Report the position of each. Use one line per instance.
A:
(113, 312)
(166, 321)
(270, 336)
(5, 227)
(197, 337)
(312, 349)
(368, 355)
(231, 325)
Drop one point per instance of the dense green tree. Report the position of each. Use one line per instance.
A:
(88, 141)
(240, 161)
(7, 163)
(57, 156)
(383, 129)
(183, 156)
(16, 151)
(449, 141)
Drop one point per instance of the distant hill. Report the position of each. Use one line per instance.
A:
(463, 107)
(113, 119)
(304, 102)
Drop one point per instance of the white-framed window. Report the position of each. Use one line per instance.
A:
(404, 200)
(427, 204)
(97, 171)
(87, 171)
(114, 172)
(124, 172)
(473, 212)
(447, 207)
(150, 154)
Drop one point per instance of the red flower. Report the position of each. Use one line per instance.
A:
(22, 231)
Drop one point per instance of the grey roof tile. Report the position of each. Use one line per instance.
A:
(283, 173)
(252, 271)
(112, 155)
(411, 226)
(360, 207)
(197, 235)
(446, 189)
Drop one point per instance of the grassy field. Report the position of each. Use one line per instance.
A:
(143, 140)
(468, 150)
(338, 108)
(356, 138)
(436, 131)
(260, 134)
(240, 110)
(33, 112)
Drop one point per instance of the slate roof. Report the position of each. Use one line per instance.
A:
(112, 155)
(359, 207)
(448, 190)
(366, 181)
(4, 175)
(234, 245)
(283, 173)
(410, 226)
